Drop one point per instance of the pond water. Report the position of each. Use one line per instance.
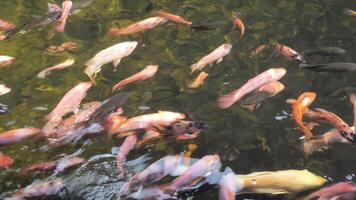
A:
(265, 140)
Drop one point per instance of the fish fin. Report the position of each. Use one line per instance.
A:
(194, 67)
(116, 63)
(321, 110)
(225, 101)
(219, 61)
(291, 101)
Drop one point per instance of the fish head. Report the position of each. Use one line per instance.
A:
(212, 162)
(306, 99)
(348, 133)
(185, 127)
(130, 47)
(227, 46)
(298, 57)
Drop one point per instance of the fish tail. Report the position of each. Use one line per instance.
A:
(195, 67)
(348, 11)
(226, 101)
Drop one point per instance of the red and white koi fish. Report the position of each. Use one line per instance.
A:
(171, 17)
(145, 24)
(60, 66)
(66, 7)
(112, 54)
(6, 60)
(273, 74)
(216, 55)
(17, 135)
(144, 74)
(125, 149)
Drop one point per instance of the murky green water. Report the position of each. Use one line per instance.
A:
(245, 141)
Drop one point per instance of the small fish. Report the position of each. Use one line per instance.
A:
(287, 52)
(4, 89)
(216, 55)
(208, 26)
(6, 25)
(68, 163)
(171, 17)
(332, 191)
(16, 135)
(69, 103)
(5, 161)
(300, 107)
(258, 50)
(66, 7)
(273, 74)
(330, 67)
(60, 66)
(38, 190)
(349, 12)
(240, 24)
(42, 166)
(324, 51)
(161, 118)
(125, 149)
(145, 24)
(353, 101)
(202, 168)
(228, 186)
(279, 182)
(266, 91)
(199, 80)
(6, 60)
(334, 120)
(112, 54)
(144, 74)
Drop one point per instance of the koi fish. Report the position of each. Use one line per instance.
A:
(69, 103)
(202, 168)
(273, 74)
(228, 186)
(17, 135)
(43, 166)
(6, 25)
(258, 50)
(300, 107)
(332, 191)
(112, 54)
(60, 66)
(324, 51)
(82, 115)
(68, 163)
(199, 80)
(125, 149)
(216, 55)
(266, 91)
(5, 161)
(145, 24)
(279, 182)
(4, 89)
(171, 17)
(337, 67)
(66, 7)
(353, 101)
(6, 60)
(38, 190)
(144, 74)
(240, 24)
(287, 52)
(334, 120)
(161, 118)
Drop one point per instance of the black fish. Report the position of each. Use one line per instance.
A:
(108, 107)
(208, 26)
(330, 67)
(324, 51)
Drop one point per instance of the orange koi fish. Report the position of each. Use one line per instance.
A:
(171, 17)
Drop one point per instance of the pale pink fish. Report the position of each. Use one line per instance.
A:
(125, 149)
(144, 74)
(69, 162)
(216, 55)
(66, 7)
(6, 25)
(4, 89)
(171, 17)
(6, 60)
(112, 54)
(161, 118)
(16, 135)
(228, 185)
(203, 167)
(353, 101)
(273, 74)
(69, 103)
(60, 66)
(145, 24)
(38, 190)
